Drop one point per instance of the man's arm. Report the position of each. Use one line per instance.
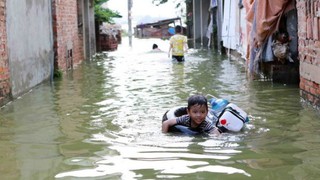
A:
(168, 123)
(185, 44)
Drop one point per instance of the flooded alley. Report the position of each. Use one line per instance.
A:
(102, 120)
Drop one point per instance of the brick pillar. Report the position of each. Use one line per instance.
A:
(5, 88)
(309, 49)
(68, 37)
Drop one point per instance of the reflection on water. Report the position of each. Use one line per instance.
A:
(103, 121)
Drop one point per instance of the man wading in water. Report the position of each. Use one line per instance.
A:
(178, 45)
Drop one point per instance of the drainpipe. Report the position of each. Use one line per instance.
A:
(194, 27)
(52, 43)
(219, 25)
(130, 22)
(229, 39)
(201, 28)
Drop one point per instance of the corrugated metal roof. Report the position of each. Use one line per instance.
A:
(159, 23)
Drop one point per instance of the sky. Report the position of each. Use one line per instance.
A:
(143, 11)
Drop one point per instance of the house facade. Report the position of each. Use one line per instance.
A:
(40, 37)
(243, 28)
(5, 89)
(309, 50)
(73, 32)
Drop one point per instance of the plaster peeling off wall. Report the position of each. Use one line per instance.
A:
(30, 43)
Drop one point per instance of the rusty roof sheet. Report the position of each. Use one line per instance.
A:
(159, 23)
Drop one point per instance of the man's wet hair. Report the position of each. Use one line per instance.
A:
(197, 100)
(154, 46)
(178, 29)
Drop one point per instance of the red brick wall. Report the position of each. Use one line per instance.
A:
(65, 29)
(5, 89)
(309, 49)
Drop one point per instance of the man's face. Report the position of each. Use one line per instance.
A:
(197, 114)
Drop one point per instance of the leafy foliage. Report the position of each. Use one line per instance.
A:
(158, 2)
(57, 74)
(179, 4)
(102, 14)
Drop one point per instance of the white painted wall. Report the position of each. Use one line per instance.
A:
(30, 43)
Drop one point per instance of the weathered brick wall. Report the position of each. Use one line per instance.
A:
(66, 35)
(4, 65)
(309, 49)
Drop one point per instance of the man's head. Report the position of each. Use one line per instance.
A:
(197, 100)
(197, 108)
(154, 46)
(178, 29)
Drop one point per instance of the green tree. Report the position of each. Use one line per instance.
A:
(102, 14)
(178, 5)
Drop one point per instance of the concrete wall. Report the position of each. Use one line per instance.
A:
(40, 36)
(5, 88)
(309, 49)
(30, 43)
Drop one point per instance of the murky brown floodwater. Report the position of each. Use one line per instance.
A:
(103, 121)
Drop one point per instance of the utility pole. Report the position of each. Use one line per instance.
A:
(130, 22)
